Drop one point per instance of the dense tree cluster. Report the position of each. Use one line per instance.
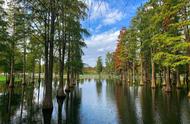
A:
(156, 45)
(42, 32)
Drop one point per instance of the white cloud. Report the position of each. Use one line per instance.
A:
(103, 39)
(99, 44)
(113, 17)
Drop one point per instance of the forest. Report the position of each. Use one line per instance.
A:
(44, 78)
(33, 30)
(155, 49)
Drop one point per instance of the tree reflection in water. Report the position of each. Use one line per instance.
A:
(97, 101)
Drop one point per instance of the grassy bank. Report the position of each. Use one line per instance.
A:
(2, 78)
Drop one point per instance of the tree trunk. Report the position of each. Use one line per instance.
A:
(133, 72)
(186, 77)
(39, 71)
(160, 75)
(168, 83)
(11, 83)
(153, 84)
(178, 84)
(188, 94)
(128, 76)
(142, 73)
(24, 64)
(68, 67)
(187, 38)
(164, 77)
(60, 106)
(148, 75)
(60, 92)
(47, 102)
(146, 71)
(33, 72)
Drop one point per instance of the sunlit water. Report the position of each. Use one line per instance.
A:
(96, 102)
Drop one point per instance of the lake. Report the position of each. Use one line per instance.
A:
(96, 102)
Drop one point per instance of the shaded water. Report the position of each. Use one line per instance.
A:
(96, 102)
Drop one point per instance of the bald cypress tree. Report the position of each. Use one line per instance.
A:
(99, 65)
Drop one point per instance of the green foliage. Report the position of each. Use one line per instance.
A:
(109, 63)
(99, 65)
(169, 44)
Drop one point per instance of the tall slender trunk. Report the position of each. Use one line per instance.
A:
(33, 72)
(24, 64)
(9, 72)
(160, 75)
(148, 74)
(49, 45)
(133, 72)
(178, 84)
(39, 71)
(142, 72)
(60, 63)
(11, 83)
(153, 84)
(168, 83)
(187, 38)
(68, 65)
(164, 77)
(51, 58)
(46, 103)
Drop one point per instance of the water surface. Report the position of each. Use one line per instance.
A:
(96, 102)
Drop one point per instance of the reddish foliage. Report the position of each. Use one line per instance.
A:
(118, 51)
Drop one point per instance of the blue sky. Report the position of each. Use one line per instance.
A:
(105, 19)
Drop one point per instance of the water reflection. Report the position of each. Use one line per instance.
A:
(94, 102)
(98, 87)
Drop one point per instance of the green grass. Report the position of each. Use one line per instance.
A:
(2, 78)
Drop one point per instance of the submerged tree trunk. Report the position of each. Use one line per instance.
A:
(47, 101)
(130, 76)
(11, 83)
(147, 70)
(60, 106)
(178, 82)
(49, 45)
(62, 44)
(168, 83)
(68, 66)
(133, 72)
(164, 77)
(160, 75)
(33, 72)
